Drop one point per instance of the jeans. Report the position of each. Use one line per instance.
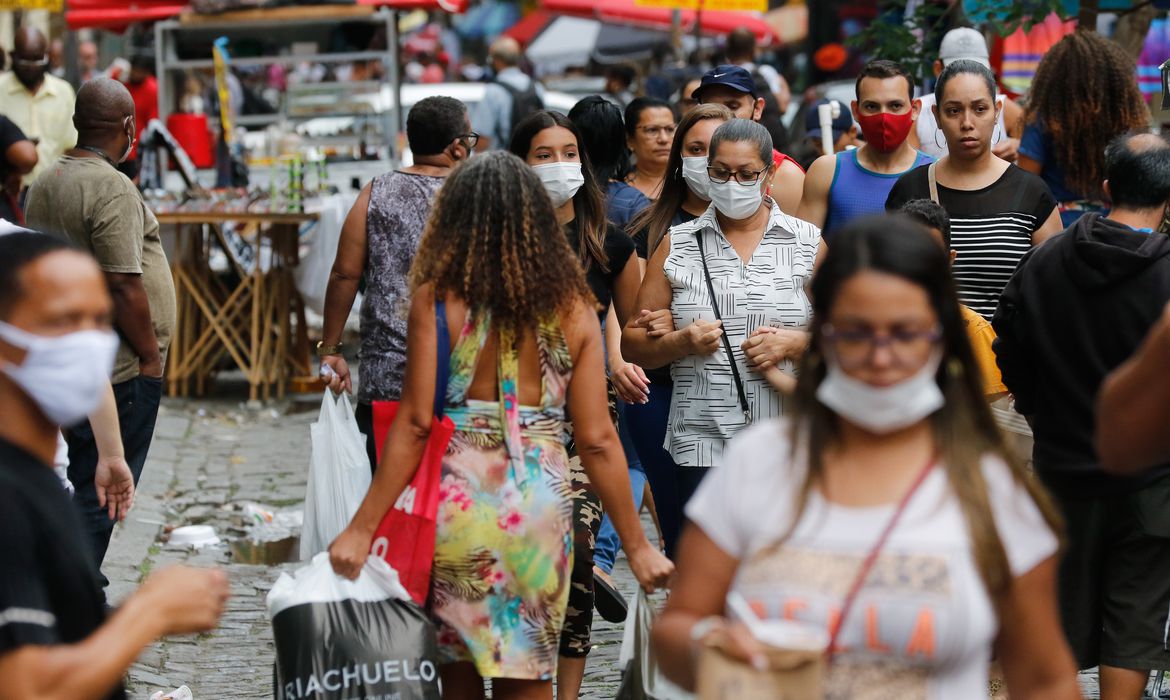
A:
(608, 542)
(647, 424)
(137, 401)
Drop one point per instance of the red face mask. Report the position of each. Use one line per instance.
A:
(886, 131)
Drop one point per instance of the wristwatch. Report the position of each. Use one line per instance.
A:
(324, 350)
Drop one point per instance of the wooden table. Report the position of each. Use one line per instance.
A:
(251, 322)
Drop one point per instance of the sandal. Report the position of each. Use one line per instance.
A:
(608, 600)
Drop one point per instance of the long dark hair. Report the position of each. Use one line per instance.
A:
(589, 202)
(1085, 93)
(603, 137)
(964, 429)
(493, 241)
(656, 218)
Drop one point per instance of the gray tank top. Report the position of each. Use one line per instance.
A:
(399, 206)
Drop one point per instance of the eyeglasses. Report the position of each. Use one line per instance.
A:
(744, 177)
(472, 139)
(654, 131)
(853, 348)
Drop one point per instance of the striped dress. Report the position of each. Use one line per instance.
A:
(991, 228)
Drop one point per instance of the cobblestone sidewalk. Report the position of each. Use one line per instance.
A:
(209, 457)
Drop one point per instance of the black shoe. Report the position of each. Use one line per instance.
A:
(608, 600)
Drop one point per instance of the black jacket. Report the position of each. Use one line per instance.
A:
(1076, 308)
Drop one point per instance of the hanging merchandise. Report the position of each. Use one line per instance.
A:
(1154, 53)
(1023, 50)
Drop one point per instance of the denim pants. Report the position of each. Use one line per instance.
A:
(138, 401)
(608, 542)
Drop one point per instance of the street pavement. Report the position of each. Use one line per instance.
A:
(209, 458)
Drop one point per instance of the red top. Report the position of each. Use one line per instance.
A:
(778, 158)
(145, 96)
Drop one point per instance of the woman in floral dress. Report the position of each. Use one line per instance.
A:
(528, 347)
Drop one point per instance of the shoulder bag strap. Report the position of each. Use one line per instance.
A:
(871, 558)
(443, 357)
(743, 402)
(932, 182)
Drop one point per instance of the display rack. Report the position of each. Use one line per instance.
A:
(185, 44)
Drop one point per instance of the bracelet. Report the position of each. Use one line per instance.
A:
(323, 349)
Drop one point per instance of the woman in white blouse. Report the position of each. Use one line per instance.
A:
(887, 511)
(723, 304)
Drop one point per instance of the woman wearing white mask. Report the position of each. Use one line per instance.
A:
(723, 303)
(550, 143)
(888, 513)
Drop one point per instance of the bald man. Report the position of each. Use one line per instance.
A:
(83, 196)
(512, 96)
(39, 103)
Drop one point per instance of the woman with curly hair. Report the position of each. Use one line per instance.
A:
(496, 269)
(1085, 93)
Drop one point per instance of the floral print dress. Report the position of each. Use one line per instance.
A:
(503, 549)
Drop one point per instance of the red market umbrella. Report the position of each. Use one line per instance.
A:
(453, 6)
(626, 12)
(111, 14)
(528, 28)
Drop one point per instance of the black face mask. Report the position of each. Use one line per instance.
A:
(29, 76)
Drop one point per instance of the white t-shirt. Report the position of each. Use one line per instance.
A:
(930, 136)
(923, 624)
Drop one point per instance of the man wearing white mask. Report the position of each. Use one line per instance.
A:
(725, 305)
(100, 210)
(56, 352)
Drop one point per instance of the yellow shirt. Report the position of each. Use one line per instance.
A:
(46, 117)
(982, 335)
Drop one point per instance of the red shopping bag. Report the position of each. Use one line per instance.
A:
(406, 536)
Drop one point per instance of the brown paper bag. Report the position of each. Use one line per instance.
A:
(793, 674)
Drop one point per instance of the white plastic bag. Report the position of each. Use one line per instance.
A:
(338, 639)
(641, 679)
(339, 475)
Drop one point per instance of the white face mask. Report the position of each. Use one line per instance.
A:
(882, 410)
(736, 201)
(694, 171)
(560, 180)
(65, 376)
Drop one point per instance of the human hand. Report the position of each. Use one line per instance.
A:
(650, 566)
(768, 346)
(338, 373)
(151, 367)
(631, 382)
(348, 553)
(703, 337)
(185, 600)
(114, 485)
(780, 380)
(657, 323)
(736, 641)
(1008, 149)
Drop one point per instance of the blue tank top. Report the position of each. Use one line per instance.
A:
(857, 191)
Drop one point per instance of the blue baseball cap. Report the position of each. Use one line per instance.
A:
(812, 121)
(734, 77)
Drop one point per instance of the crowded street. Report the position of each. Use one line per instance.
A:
(631, 349)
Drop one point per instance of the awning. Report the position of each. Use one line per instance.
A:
(716, 22)
(530, 26)
(110, 14)
(455, 6)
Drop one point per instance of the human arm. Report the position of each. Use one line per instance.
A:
(1052, 226)
(647, 348)
(703, 579)
(629, 380)
(1008, 147)
(600, 449)
(132, 319)
(112, 479)
(405, 442)
(21, 157)
(767, 346)
(788, 186)
(1133, 405)
(1029, 164)
(1031, 646)
(348, 267)
(176, 600)
(814, 204)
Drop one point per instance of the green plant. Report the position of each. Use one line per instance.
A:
(898, 36)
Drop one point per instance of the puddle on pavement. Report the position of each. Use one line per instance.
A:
(267, 553)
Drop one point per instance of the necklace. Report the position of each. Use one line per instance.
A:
(105, 156)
